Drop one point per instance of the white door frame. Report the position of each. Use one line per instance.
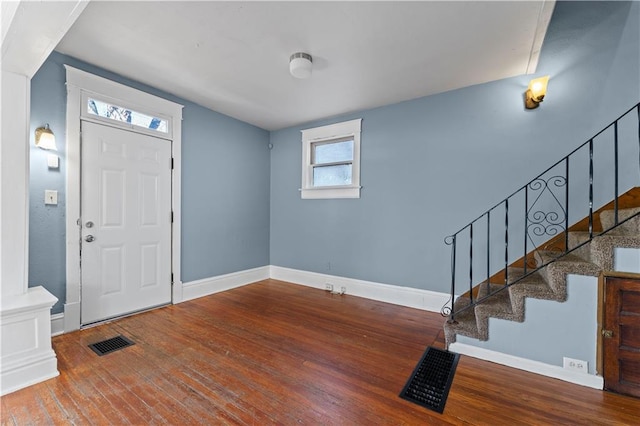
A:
(78, 83)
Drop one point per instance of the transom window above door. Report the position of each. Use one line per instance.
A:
(129, 117)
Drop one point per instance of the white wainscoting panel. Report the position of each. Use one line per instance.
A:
(26, 355)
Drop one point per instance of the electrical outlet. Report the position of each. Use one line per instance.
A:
(328, 287)
(575, 365)
(50, 197)
(343, 290)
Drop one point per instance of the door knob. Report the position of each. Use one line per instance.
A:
(89, 238)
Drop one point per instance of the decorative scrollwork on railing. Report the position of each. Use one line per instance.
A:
(555, 246)
(546, 215)
(530, 261)
(446, 309)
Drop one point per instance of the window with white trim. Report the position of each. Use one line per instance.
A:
(331, 161)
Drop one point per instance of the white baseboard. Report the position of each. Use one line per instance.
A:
(57, 324)
(194, 289)
(588, 380)
(29, 371)
(404, 296)
(71, 317)
(66, 322)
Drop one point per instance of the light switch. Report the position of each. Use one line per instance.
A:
(53, 162)
(50, 197)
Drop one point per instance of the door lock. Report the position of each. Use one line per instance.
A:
(607, 334)
(89, 224)
(89, 238)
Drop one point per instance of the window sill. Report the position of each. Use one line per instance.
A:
(331, 192)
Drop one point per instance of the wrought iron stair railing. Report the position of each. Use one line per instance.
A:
(517, 229)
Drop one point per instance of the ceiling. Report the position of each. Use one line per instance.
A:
(233, 57)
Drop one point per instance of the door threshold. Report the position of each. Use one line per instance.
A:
(118, 317)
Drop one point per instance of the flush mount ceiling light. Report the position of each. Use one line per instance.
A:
(300, 65)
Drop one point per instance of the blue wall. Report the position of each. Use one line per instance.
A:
(47, 233)
(225, 186)
(431, 165)
(553, 330)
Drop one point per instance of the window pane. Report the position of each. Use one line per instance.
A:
(333, 152)
(113, 112)
(332, 175)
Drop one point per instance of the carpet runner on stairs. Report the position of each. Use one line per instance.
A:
(550, 282)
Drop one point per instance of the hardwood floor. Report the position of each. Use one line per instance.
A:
(279, 353)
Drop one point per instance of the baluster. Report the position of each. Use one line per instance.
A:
(471, 262)
(591, 189)
(615, 173)
(453, 277)
(488, 250)
(506, 242)
(566, 207)
(526, 224)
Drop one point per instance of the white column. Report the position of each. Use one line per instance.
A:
(26, 355)
(30, 31)
(14, 169)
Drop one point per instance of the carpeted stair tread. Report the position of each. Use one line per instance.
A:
(465, 323)
(573, 264)
(544, 257)
(515, 274)
(533, 286)
(627, 235)
(575, 239)
(567, 263)
(555, 274)
(578, 237)
(498, 305)
(631, 227)
(461, 302)
(603, 248)
(600, 249)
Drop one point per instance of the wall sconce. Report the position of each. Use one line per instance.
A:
(535, 92)
(45, 138)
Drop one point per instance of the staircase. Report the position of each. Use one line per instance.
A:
(551, 247)
(550, 281)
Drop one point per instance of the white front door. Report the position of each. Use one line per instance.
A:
(126, 222)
